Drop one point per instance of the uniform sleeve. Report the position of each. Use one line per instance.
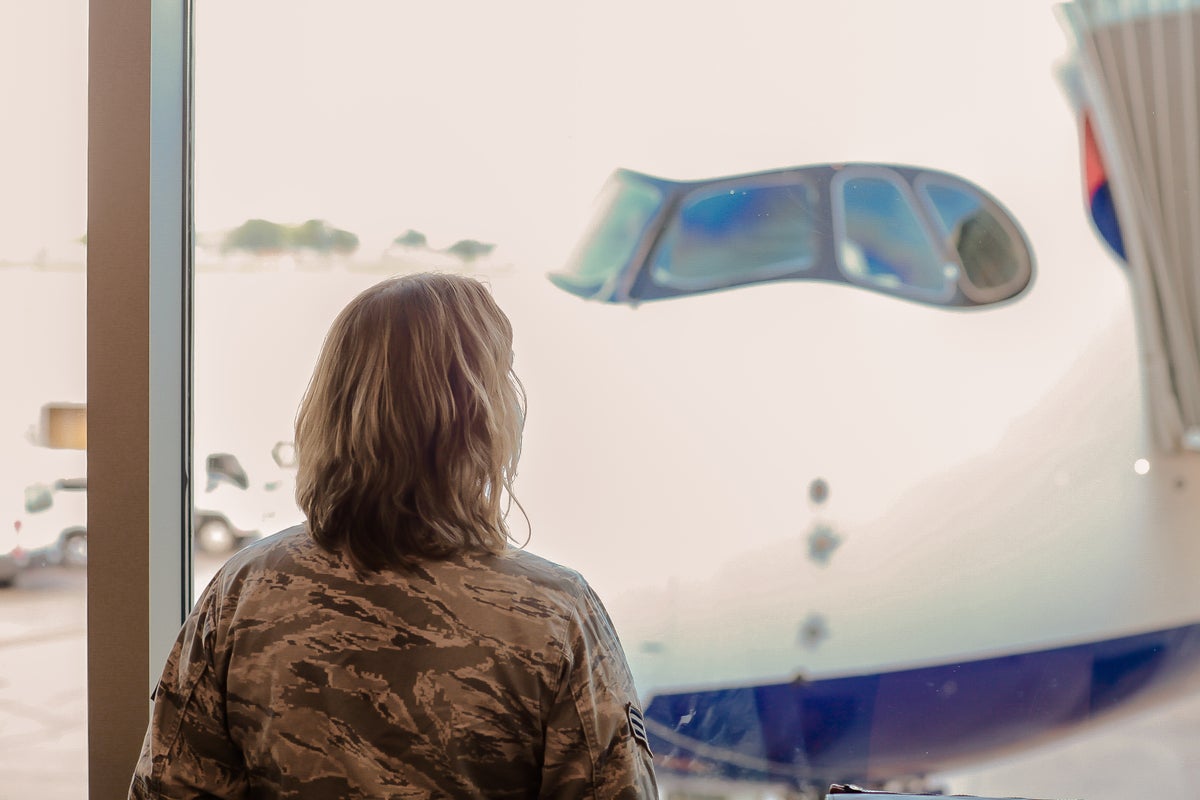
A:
(596, 747)
(187, 752)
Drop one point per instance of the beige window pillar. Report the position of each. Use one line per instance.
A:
(138, 367)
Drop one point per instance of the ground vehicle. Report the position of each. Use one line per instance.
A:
(229, 513)
(53, 527)
(9, 567)
(232, 508)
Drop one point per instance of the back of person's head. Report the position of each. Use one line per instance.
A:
(410, 429)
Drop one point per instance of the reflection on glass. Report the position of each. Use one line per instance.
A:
(884, 242)
(736, 235)
(623, 210)
(984, 248)
(951, 205)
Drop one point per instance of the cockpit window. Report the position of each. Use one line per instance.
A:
(881, 240)
(987, 251)
(623, 213)
(728, 235)
(907, 232)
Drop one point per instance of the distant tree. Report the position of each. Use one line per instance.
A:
(342, 242)
(311, 235)
(469, 249)
(260, 236)
(257, 236)
(411, 238)
(321, 237)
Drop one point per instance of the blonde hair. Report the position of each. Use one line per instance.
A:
(410, 429)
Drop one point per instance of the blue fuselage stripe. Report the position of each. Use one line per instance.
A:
(868, 728)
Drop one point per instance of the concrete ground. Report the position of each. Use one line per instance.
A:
(43, 679)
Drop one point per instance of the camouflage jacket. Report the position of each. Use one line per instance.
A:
(476, 677)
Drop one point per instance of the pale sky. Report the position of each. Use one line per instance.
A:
(43, 104)
(500, 122)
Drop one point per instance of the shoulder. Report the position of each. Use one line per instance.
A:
(562, 592)
(265, 549)
(560, 585)
(515, 596)
(525, 566)
(287, 555)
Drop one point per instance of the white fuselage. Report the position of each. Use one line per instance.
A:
(983, 493)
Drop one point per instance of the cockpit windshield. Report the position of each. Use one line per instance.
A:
(624, 210)
(731, 234)
(908, 232)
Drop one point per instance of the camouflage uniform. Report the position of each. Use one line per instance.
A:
(480, 676)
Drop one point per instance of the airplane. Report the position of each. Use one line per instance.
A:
(1028, 533)
(902, 477)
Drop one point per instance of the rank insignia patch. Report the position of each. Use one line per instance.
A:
(637, 726)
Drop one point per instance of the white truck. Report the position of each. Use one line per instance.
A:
(242, 498)
(52, 527)
(239, 495)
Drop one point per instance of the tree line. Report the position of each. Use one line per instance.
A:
(260, 236)
(263, 237)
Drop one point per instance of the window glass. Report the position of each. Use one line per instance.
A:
(623, 210)
(951, 205)
(985, 249)
(224, 467)
(883, 242)
(830, 526)
(737, 234)
(43, 420)
(38, 498)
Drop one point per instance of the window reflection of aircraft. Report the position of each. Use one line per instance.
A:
(889, 532)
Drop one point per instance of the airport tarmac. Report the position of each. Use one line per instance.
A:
(43, 678)
(43, 730)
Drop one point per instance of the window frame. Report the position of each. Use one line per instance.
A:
(138, 366)
(920, 214)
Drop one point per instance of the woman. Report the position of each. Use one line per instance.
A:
(398, 645)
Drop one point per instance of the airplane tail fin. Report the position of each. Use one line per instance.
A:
(1138, 70)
